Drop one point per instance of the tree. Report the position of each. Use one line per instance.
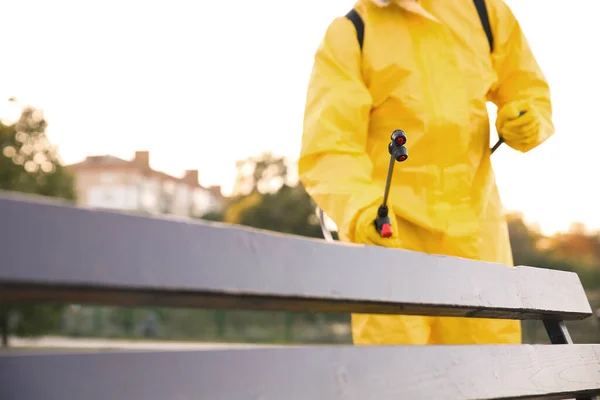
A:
(289, 210)
(267, 200)
(29, 163)
(264, 173)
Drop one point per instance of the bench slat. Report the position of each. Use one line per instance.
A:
(54, 252)
(329, 373)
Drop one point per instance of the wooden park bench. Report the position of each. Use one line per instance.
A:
(52, 252)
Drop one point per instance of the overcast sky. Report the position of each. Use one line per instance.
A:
(185, 79)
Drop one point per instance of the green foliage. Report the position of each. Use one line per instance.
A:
(289, 210)
(214, 216)
(32, 319)
(29, 163)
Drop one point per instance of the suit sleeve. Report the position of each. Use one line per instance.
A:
(334, 166)
(519, 75)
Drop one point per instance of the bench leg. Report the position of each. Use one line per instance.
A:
(559, 334)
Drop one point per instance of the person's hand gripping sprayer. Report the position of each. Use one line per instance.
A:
(517, 125)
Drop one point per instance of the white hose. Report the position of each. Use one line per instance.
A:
(326, 232)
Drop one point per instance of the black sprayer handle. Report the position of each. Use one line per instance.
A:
(398, 152)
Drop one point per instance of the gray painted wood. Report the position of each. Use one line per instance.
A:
(53, 252)
(324, 373)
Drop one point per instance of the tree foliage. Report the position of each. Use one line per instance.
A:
(289, 210)
(267, 200)
(29, 162)
(264, 173)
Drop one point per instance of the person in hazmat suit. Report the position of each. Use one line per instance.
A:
(427, 67)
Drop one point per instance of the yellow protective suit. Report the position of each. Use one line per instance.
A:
(426, 68)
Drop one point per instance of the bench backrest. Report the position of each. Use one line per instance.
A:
(52, 252)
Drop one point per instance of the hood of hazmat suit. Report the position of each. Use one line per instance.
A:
(425, 67)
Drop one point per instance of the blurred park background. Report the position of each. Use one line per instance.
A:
(264, 196)
(165, 108)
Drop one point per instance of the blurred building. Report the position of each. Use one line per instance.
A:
(108, 182)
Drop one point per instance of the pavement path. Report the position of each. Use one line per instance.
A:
(98, 343)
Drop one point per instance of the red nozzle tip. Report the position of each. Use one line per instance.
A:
(386, 230)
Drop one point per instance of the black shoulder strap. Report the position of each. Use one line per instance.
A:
(485, 21)
(479, 4)
(358, 25)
